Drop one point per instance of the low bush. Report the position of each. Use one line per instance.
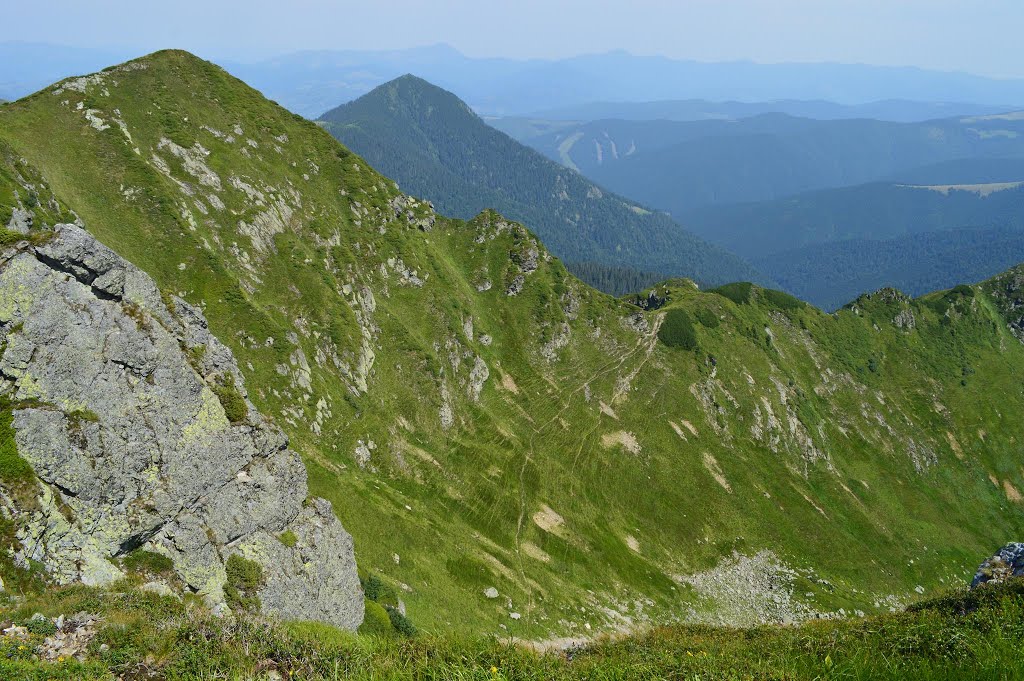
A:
(677, 330)
(245, 577)
(402, 624)
(145, 562)
(707, 318)
(230, 398)
(781, 300)
(739, 292)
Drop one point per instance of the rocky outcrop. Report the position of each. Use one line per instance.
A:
(1006, 563)
(135, 420)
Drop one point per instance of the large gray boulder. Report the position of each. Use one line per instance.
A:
(117, 413)
(1006, 563)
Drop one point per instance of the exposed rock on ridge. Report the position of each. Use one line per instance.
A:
(116, 408)
(1006, 563)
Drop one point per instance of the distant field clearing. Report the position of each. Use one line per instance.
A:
(979, 189)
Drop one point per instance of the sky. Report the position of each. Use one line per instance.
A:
(979, 36)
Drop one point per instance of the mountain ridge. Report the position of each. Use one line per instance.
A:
(483, 422)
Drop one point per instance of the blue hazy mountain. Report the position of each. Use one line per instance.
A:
(312, 82)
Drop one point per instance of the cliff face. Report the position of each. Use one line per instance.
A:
(134, 419)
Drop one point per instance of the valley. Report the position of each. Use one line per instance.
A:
(599, 366)
(449, 384)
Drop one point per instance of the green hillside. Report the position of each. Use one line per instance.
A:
(482, 420)
(437, 148)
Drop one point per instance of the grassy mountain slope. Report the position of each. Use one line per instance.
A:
(682, 166)
(437, 148)
(479, 418)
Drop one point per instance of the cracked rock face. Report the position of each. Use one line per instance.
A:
(114, 410)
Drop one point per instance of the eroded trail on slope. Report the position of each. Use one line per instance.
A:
(645, 345)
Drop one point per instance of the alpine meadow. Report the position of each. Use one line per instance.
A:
(630, 388)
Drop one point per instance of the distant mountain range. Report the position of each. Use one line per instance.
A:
(896, 110)
(437, 148)
(914, 205)
(309, 81)
(805, 200)
(830, 274)
(681, 166)
(942, 223)
(312, 82)
(880, 210)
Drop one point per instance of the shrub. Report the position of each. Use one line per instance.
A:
(707, 318)
(7, 237)
(738, 292)
(402, 624)
(141, 561)
(230, 398)
(677, 330)
(781, 300)
(373, 587)
(941, 303)
(14, 470)
(376, 621)
(41, 626)
(245, 577)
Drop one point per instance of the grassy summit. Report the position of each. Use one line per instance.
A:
(482, 420)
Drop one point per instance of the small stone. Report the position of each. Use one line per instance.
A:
(514, 615)
(491, 592)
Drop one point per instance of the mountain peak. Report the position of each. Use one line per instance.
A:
(435, 146)
(167, 56)
(407, 98)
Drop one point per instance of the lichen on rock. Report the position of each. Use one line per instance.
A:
(155, 462)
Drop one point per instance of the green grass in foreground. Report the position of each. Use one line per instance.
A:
(963, 635)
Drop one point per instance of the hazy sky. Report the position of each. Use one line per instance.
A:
(979, 36)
